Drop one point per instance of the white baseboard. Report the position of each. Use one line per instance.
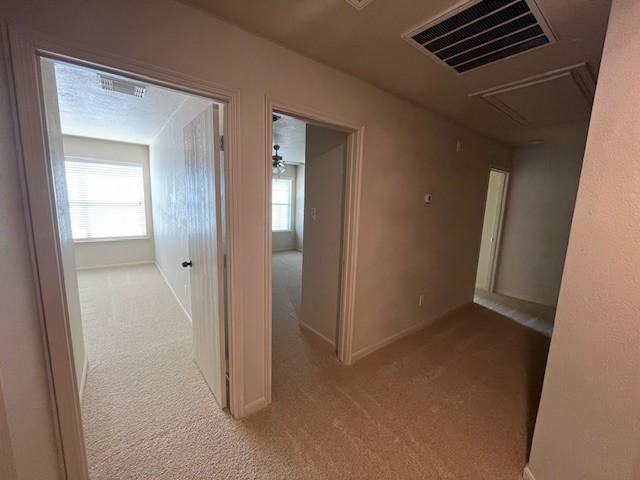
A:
(83, 378)
(317, 333)
(113, 265)
(519, 296)
(164, 277)
(527, 474)
(363, 352)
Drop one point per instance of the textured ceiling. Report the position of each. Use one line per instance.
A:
(86, 110)
(367, 43)
(290, 134)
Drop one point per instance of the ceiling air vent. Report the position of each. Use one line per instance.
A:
(481, 32)
(121, 86)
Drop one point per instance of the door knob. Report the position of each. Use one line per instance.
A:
(187, 264)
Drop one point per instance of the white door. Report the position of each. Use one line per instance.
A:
(201, 141)
(491, 230)
(63, 217)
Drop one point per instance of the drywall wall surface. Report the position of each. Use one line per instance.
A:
(114, 252)
(282, 241)
(300, 179)
(7, 466)
(169, 199)
(405, 248)
(588, 424)
(492, 210)
(541, 197)
(325, 162)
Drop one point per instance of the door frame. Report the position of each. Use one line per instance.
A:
(351, 215)
(495, 247)
(23, 48)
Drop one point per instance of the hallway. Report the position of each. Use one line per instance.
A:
(454, 401)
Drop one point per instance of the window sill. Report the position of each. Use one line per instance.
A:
(281, 231)
(114, 239)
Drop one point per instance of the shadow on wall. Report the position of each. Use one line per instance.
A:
(537, 354)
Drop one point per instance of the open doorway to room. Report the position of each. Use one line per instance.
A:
(534, 315)
(526, 229)
(308, 195)
(137, 174)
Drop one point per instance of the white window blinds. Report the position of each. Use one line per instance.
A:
(281, 204)
(106, 199)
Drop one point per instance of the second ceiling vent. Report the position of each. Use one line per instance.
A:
(482, 32)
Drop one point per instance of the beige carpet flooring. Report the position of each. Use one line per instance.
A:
(454, 401)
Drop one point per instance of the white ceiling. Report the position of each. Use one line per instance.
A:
(368, 43)
(87, 110)
(290, 134)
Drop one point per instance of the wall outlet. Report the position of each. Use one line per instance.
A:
(421, 300)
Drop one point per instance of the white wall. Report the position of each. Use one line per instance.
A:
(588, 425)
(114, 252)
(541, 198)
(282, 241)
(169, 201)
(405, 248)
(7, 467)
(300, 180)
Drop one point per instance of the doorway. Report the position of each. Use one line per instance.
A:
(134, 179)
(308, 172)
(314, 182)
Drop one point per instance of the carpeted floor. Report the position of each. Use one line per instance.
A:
(454, 401)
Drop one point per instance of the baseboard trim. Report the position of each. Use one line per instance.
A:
(363, 352)
(527, 474)
(518, 296)
(83, 378)
(114, 265)
(317, 333)
(166, 281)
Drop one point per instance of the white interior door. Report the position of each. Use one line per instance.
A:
(491, 229)
(201, 140)
(63, 218)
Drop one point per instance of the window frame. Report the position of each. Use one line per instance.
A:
(145, 198)
(289, 204)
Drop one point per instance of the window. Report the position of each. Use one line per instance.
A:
(106, 199)
(281, 204)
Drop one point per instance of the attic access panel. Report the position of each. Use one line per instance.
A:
(480, 32)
